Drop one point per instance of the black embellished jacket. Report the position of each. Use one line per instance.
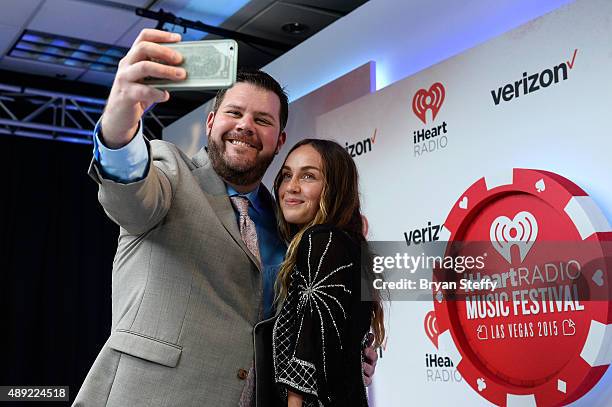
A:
(318, 336)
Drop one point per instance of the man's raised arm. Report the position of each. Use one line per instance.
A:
(129, 99)
(134, 193)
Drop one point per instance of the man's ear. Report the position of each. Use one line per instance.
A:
(282, 137)
(209, 122)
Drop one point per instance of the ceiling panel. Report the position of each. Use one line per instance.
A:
(8, 36)
(212, 12)
(135, 3)
(130, 35)
(17, 12)
(268, 23)
(341, 6)
(97, 77)
(40, 68)
(83, 20)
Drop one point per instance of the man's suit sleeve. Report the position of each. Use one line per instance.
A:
(138, 206)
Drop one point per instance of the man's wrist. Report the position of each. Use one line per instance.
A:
(113, 144)
(125, 164)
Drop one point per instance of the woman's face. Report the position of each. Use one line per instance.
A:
(301, 185)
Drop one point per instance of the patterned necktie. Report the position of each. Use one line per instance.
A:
(247, 226)
(249, 237)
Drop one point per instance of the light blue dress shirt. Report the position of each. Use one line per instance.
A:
(129, 164)
(126, 164)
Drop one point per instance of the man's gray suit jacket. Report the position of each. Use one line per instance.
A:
(186, 292)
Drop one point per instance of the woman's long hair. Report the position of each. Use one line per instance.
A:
(339, 206)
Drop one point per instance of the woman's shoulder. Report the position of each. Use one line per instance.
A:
(326, 229)
(326, 234)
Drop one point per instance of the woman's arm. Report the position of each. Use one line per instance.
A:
(294, 399)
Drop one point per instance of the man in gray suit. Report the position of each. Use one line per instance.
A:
(187, 291)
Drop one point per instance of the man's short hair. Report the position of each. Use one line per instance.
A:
(264, 81)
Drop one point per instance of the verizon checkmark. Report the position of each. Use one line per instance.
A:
(373, 138)
(571, 64)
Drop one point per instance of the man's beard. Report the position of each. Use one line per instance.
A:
(239, 173)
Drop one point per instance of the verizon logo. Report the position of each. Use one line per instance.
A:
(361, 147)
(530, 83)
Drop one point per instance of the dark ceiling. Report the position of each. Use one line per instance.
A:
(116, 23)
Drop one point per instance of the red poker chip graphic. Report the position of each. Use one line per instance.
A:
(543, 336)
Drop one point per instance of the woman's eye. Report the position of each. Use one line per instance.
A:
(308, 176)
(286, 176)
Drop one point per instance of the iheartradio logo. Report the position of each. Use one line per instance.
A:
(521, 231)
(431, 327)
(425, 100)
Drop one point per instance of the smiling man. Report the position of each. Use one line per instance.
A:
(198, 248)
(237, 157)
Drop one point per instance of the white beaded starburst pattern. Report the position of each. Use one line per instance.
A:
(313, 295)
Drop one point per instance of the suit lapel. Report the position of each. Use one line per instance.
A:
(216, 192)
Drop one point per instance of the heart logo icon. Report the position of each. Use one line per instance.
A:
(482, 333)
(598, 278)
(425, 100)
(431, 327)
(463, 203)
(569, 327)
(540, 185)
(481, 384)
(521, 231)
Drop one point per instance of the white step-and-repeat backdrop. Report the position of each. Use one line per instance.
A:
(537, 97)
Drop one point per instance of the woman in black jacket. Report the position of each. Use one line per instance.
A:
(322, 323)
